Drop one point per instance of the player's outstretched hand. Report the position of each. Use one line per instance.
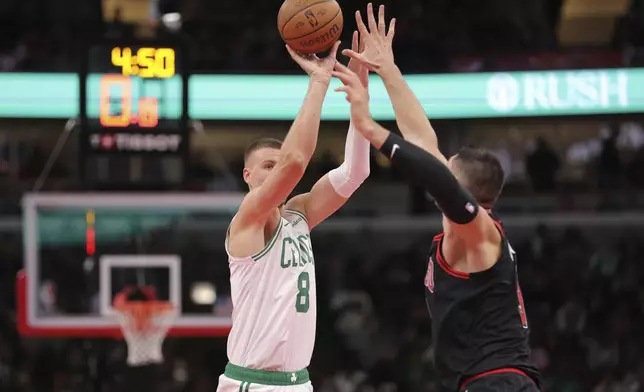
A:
(317, 68)
(378, 53)
(357, 46)
(357, 95)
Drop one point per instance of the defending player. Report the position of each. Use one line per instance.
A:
(479, 326)
(270, 255)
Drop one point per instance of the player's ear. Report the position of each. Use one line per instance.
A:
(246, 175)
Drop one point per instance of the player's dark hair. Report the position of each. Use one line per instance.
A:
(263, 142)
(480, 171)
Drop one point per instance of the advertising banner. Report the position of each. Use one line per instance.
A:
(269, 97)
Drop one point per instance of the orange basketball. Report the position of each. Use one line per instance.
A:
(310, 26)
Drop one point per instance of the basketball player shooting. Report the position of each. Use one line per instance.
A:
(269, 245)
(479, 326)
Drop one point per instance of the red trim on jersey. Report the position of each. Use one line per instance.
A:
(446, 267)
(499, 227)
(492, 372)
(438, 237)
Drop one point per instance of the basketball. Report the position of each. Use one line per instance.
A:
(310, 26)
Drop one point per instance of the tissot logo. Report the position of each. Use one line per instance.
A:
(136, 142)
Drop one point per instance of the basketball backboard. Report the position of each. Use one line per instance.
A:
(82, 249)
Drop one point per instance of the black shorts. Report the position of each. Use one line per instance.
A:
(506, 381)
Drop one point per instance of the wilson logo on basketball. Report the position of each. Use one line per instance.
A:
(328, 36)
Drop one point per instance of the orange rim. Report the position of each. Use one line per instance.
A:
(141, 312)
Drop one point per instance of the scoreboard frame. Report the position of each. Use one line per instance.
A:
(144, 134)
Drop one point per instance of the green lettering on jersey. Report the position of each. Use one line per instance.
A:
(296, 253)
(290, 253)
(304, 250)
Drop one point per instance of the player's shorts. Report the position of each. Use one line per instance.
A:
(502, 381)
(240, 379)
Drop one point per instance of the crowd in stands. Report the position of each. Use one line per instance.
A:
(229, 37)
(584, 299)
(584, 295)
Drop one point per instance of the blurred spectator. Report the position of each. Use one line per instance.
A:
(542, 165)
(609, 169)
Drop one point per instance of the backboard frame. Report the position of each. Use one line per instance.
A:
(107, 262)
(28, 321)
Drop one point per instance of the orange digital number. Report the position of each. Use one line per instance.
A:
(106, 117)
(148, 112)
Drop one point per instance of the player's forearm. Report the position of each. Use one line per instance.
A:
(303, 134)
(427, 171)
(348, 177)
(410, 115)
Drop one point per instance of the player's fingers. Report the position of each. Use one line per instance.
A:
(334, 49)
(344, 78)
(358, 56)
(371, 19)
(364, 32)
(343, 68)
(355, 46)
(364, 76)
(343, 73)
(295, 55)
(382, 28)
(341, 89)
(392, 30)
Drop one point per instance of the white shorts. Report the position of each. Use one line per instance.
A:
(229, 385)
(279, 382)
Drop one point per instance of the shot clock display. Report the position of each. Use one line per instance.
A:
(134, 100)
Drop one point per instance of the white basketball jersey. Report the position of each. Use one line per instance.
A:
(274, 301)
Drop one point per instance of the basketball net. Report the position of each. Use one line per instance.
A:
(144, 325)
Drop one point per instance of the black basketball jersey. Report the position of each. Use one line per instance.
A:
(478, 319)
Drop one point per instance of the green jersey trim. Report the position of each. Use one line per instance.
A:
(294, 212)
(270, 244)
(263, 377)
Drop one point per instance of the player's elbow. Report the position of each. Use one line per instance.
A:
(295, 163)
(356, 174)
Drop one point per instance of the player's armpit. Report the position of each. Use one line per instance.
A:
(318, 204)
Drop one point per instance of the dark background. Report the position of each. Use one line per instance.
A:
(573, 195)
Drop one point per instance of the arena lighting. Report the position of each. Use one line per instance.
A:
(172, 21)
(203, 293)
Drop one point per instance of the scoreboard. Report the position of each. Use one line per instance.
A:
(134, 113)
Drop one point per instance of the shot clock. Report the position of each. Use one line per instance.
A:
(134, 103)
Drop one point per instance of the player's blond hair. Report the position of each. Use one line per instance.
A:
(262, 142)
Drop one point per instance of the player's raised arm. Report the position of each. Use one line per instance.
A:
(472, 224)
(378, 57)
(334, 188)
(298, 146)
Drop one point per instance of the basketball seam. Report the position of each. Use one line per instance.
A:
(320, 28)
(297, 13)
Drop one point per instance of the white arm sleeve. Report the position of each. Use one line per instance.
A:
(355, 168)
